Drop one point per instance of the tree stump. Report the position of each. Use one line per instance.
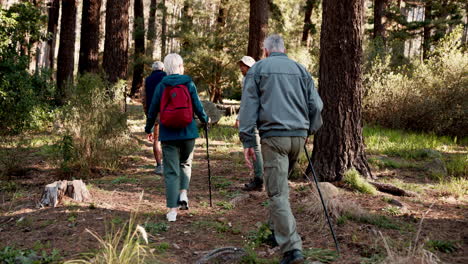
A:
(54, 192)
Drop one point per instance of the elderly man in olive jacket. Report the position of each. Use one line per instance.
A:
(280, 99)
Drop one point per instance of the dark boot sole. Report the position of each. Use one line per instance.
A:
(183, 205)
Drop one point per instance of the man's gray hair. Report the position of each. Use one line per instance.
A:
(157, 65)
(274, 43)
(172, 62)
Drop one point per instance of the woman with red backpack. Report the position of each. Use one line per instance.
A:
(176, 101)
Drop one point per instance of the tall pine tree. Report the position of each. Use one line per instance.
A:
(139, 37)
(90, 35)
(338, 145)
(258, 27)
(66, 53)
(116, 40)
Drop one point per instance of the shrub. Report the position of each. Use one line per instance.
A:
(12, 255)
(356, 182)
(429, 96)
(94, 128)
(23, 96)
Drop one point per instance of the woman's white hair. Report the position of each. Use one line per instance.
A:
(274, 43)
(158, 65)
(172, 62)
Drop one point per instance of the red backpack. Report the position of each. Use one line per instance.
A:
(176, 107)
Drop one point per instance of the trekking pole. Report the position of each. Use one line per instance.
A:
(321, 199)
(208, 158)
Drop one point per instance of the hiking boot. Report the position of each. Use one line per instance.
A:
(183, 201)
(292, 257)
(159, 169)
(255, 184)
(271, 240)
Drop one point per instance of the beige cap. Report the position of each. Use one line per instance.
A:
(247, 60)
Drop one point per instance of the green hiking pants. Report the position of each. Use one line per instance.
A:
(279, 156)
(177, 160)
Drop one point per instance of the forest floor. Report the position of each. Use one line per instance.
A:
(444, 229)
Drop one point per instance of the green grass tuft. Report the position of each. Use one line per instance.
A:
(407, 145)
(322, 255)
(441, 245)
(356, 182)
(457, 166)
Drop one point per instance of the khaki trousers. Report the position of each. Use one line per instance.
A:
(279, 156)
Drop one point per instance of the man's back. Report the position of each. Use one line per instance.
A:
(285, 90)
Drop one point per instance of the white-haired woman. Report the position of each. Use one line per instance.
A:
(177, 143)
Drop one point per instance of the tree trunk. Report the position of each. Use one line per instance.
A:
(163, 29)
(151, 35)
(427, 29)
(380, 7)
(52, 25)
(66, 53)
(465, 28)
(116, 40)
(139, 36)
(338, 145)
(310, 4)
(89, 42)
(258, 27)
(187, 24)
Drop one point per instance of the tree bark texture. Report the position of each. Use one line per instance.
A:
(90, 36)
(151, 35)
(52, 25)
(427, 29)
(66, 53)
(310, 4)
(380, 7)
(116, 40)
(139, 36)
(163, 29)
(338, 145)
(90, 33)
(258, 27)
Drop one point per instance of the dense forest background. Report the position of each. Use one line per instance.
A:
(53, 43)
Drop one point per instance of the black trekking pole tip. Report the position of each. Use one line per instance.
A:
(322, 200)
(208, 159)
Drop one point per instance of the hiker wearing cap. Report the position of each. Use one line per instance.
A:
(279, 99)
(256, 183)
(150, 85)
(176, 100)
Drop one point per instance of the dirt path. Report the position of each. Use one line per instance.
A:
(204, 228)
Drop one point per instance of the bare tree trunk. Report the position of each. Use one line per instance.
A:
(310, 4)
(465, 28)
(116, 40)
(66, 53)
(52, 25)
(427, 29)
(187, 23)
(139, 36)
(258, 27)
(90, 35)
(163, 29)
(380, 7)
(338, 145)
(151, 35)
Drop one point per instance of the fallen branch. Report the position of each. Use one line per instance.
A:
(391, 189)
